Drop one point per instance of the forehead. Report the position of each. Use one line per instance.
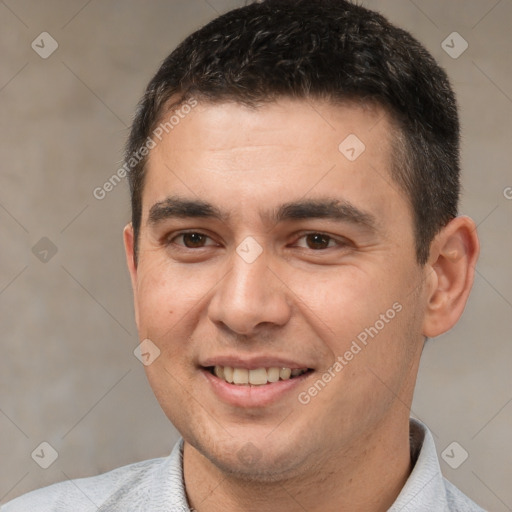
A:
(294, 122)
(232, 154)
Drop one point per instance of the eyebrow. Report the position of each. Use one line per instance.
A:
(176, 207)
(320, 208)
(326, 208)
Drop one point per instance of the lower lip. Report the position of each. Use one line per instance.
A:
(253, 396)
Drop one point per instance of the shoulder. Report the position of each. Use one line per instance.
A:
(458, 501)
(87, 494)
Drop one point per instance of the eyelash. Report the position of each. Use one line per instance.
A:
(339, 242)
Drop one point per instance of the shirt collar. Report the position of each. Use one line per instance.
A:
(424, 490)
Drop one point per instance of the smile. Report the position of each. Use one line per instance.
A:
(256, 377)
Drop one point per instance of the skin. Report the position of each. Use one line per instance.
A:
(301, 300)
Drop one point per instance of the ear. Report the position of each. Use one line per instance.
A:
(450, 273)
(129, 244)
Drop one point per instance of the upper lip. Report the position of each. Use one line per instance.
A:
(252, 363)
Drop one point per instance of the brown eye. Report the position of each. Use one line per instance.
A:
(318, 241)
(194, 240)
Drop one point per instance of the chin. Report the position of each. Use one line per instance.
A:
(264, 462)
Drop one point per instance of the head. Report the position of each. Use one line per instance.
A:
(301, 208)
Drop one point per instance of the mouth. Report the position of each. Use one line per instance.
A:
(255, 377)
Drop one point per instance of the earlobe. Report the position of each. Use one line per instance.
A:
(454, 253)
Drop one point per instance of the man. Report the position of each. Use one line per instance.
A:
(294, 172)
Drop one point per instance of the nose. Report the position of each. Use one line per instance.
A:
(251, 296)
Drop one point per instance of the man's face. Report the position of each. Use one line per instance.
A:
(266, 244)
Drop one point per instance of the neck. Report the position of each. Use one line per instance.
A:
(367, 476)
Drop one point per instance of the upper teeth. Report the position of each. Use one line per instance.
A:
(256, 377)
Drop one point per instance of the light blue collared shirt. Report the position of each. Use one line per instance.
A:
(157, 486)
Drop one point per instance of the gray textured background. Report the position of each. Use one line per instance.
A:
(68, 375)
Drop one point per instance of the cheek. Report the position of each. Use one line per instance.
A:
(346, 299)
(368, 328)
(365, 318)
(165, 294)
